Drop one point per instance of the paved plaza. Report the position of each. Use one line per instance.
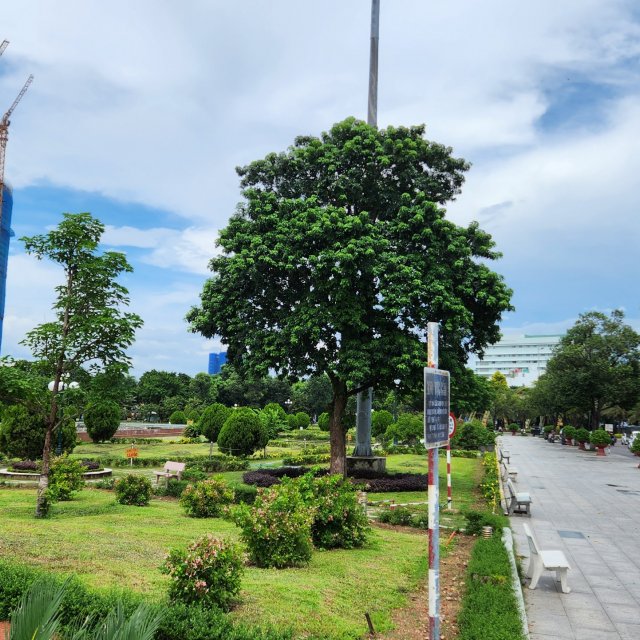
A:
(588, 507)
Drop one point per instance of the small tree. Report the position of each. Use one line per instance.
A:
(89, 326)
(242, 433)
(102, 419)
(274, 419)
(323, 421)
(302, 420)
(211, 422)
(178, 417)
(380, 421)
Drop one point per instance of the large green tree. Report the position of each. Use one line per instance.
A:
(90, 325)
(338, 257)
(597, 365)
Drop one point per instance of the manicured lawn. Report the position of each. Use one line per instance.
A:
(110, 544)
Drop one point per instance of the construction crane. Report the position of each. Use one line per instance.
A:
(4, 129)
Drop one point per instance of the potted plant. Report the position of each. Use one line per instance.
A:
(548, 430)
(513, 427)
(569, 434)
(600, 439)
(635, 447)
(582, 436)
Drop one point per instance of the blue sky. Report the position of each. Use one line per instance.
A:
(140, 112)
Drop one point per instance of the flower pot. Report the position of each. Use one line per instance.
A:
(581, 446)
(600, 451)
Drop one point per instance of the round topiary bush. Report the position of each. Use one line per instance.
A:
(292, 421)
(212, 420)
(206, 499)
(323, 421)
(178, 417)
(133, 490)
(242, 433)
(303, 420)
(102, 420)
(569, 432)
(22, 433)
(277, 528)
(208, 573)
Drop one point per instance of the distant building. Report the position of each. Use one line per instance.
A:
(522, 359)
(216, 360)
(5, 235)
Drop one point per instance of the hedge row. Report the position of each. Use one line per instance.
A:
(377, 482)
(179, 622)
(489, 608)
(217, 463)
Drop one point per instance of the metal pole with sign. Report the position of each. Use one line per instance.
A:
(452, 430)
(436, 434)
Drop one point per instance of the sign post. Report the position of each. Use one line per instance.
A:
(452, 430)
(436, 434)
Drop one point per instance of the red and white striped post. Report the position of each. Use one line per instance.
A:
(433, 508)
(449, 496)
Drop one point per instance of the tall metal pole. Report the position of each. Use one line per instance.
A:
(372, 111)
(433, 509)
(364, 399)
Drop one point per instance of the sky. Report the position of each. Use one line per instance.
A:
(140, 112)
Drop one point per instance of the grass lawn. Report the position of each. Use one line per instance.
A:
(110, 544)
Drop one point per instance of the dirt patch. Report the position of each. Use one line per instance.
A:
(4, 628)
(412, 622)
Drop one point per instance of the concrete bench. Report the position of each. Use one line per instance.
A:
(518, 501)
(503, 455)
(545, 560)
(171, 470)
(509, 473)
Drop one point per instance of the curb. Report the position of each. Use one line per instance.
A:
(507, 540)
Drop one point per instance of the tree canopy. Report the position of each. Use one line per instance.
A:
(597, 365)
(340, 254)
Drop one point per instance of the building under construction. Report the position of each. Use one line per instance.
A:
(5, 234)
(6, 196)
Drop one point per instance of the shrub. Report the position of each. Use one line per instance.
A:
(206, 499)
(471, 436)
(394, 482)
(380, 422)
(212, 420)
(323, 421)
(277, 528)
(569, 432)
(548, 428)
(65, 478)
(600, 438)
(274, 419)
(102, 420)
(207, 573)
(134, 490)
(191, 431)
(475, 520)
(307, 458)
(635, 446)
(303, 420)
(292, 421)
(178, 417)
(242, 433)
(245, 493)
(582, 435)
(490, 485)
(90, 465)
(400, 516)
(338, 521)
(27, 466)
(105, 483)
(22, 433)
(408, 428)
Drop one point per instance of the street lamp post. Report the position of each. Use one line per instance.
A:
(61, 387)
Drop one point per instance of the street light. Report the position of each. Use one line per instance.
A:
(61, 387)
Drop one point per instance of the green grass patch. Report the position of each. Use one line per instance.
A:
(489, 608)
(108, 545)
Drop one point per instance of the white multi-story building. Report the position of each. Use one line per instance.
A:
(522, 359)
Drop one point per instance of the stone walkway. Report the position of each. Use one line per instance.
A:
(589, 507)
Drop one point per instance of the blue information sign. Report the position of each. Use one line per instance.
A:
(436, 408)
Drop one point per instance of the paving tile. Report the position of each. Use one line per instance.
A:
(595, 619)
(552, 624)
(595, 634)
(628, 631)
(628, 614)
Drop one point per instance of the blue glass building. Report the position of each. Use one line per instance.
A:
(5, 235)
(216, 360)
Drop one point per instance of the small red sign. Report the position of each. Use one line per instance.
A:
(452, 425)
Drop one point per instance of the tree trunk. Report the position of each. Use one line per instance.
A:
(337, 435)
(43, 483)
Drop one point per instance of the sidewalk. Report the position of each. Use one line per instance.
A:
(589, 507)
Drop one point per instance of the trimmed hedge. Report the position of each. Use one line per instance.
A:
(179, 621)
(489, 608)
(216, 463)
